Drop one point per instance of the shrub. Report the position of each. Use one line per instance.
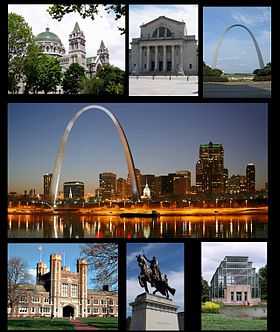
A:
(210, 307)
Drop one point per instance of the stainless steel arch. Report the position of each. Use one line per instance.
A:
(259, 54)
(60, 155)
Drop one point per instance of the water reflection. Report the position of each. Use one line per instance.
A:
(74, 226)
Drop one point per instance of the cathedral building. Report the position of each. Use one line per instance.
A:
(164, 48)
(58, 292)
(52, 45)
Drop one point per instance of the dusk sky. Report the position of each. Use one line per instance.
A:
(171, 262)
(237, 53)
(30, 255)
(163, 138)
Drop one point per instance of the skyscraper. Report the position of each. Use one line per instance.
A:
(251, 178)
(182, 183)
(47, 178)
(74, 190)
(108, 184)
(210, 168)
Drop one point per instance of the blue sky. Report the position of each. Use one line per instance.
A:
(237, 53)
(171, 261)
(30, 255)
(163, 138)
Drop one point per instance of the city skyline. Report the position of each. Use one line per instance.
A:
(29, 129)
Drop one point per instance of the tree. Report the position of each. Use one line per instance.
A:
(30, 70)
(20, 39)
(87, 10)
(72, 78)
(49, 73)
(204, 290)
(108, 81)
(17, 275)
(263, 282)
(103, 257)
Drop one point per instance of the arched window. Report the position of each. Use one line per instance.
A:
(161, 32)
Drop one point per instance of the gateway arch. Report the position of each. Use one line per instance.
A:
(60, 154)
(259, 54)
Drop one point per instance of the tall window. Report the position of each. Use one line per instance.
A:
(232, 296)
(238, 296)
(74, 290)
(64, 290)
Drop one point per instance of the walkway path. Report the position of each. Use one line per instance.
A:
(78, 326)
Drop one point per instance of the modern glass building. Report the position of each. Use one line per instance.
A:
(74, 190)
(235, 282)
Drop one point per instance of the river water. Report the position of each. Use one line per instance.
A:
(75, 226)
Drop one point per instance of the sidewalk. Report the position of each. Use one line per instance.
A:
(78, 326)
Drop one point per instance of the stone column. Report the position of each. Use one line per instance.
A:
(156, 58)
(173, 58)
(164, 58)
(181, 66)
(148, 58)
(140, 60)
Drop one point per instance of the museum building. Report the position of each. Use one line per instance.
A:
(235, 282)
(62, 293)
(164, 47)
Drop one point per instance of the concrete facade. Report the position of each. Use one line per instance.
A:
(164, 48)
(153, 313)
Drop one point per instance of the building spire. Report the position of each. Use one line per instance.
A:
(70, 193)
(76, 28)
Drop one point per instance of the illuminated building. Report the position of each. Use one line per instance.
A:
(210, 169)
(235, 282)
(47, 185)
(182, 183)
(108, 185)
(74, 190)
(251, 178)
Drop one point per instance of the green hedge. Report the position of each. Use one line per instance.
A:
(215, 79)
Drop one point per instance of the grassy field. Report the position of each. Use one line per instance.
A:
(104, 323)
(39, 324)
(219, 322)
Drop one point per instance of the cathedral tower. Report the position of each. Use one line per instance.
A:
(55, 270)
(77, 46)
(82, 271)
(103, 53)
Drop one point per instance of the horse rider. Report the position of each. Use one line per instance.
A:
(154, 265)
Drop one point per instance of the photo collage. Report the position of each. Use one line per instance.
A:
(136, 166)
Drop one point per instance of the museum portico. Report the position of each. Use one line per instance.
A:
(164, 48)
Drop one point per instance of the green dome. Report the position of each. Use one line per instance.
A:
(48, 36)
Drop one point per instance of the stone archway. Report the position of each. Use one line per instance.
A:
(68, 311)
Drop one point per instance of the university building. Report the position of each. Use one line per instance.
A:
(236, 282)
(164, 47)
(58, 292)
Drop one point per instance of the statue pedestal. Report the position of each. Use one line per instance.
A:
(152, 312)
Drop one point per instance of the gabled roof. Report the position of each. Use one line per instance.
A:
(164, 17)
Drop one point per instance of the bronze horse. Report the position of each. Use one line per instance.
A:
(146, 276)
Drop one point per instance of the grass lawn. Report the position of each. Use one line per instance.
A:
(110, 323)
(219, 322)
(39, 324)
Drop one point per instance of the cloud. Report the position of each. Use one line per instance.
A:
(260, 16)
(176, 280)
(146, 249)
(214, 252)
(103, 27)
(143, 14)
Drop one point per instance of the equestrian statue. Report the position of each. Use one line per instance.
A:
(150, 273)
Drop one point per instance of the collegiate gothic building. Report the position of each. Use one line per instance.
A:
(51, 44)
(62, 293)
